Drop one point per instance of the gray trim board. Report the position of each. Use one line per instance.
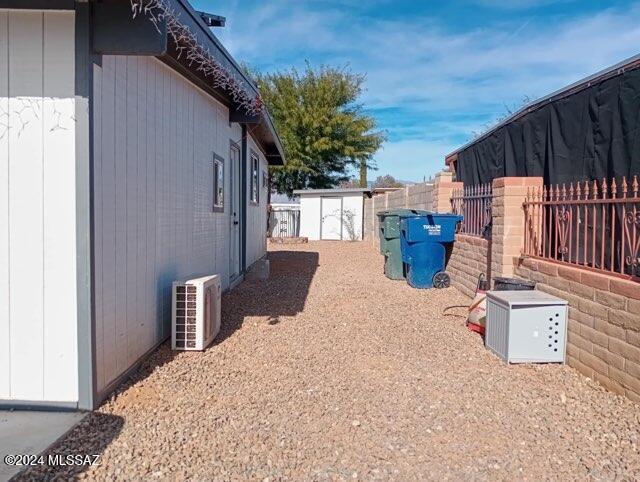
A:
(39, 4)
(239, 116)
(117, 32)
(38, 406)
(216, 208)
(84, 208)
(254, 156)
(237, 180)
(243, 200)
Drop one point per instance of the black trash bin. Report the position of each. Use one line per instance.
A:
(512, 284)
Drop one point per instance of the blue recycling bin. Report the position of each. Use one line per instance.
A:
(426, 242)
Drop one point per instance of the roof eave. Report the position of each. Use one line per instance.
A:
(268, 138)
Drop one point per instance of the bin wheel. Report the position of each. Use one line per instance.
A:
(441, 280)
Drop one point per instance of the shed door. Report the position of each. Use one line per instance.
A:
(331, 218)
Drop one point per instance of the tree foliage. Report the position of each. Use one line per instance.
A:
(323, 128)
(350, 184)
(386, 181)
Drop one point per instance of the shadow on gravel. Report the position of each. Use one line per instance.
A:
(283, 294)
(90, 437)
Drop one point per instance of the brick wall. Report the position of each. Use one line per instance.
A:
(468, 259)
(443, 190)
(603, 341)
(507, 232)
(604, 311)
(604, 322)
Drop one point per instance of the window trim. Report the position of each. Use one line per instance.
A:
(217, 161)
(254, 157)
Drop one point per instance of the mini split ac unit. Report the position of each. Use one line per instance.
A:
(195, 319)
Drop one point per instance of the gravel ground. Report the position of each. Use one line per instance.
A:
(329, 371)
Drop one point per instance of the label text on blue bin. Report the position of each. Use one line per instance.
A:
(433, 230)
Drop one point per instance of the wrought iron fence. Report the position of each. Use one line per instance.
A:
(591, 224)
(474, 203)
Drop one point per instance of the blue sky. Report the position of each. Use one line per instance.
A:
(435, 70)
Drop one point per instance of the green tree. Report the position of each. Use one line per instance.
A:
(386, 181)
(323, 128)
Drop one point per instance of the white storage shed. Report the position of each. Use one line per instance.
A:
(332, 214)
(133, 152)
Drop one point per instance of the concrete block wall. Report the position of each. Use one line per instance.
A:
(368, 221)
(397, 199)
(468, 259)
(418, 196)
(604, 322)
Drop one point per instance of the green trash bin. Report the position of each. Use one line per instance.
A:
(389, 234)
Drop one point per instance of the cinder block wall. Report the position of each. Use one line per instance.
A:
(418, 196)
(469, 258)
(604, 322)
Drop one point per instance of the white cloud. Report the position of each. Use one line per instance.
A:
(411, 160)
(422, 69)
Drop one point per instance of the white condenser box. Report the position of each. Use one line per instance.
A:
(195, 319)
(526, 326)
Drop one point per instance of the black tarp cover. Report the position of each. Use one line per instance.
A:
(592, 134)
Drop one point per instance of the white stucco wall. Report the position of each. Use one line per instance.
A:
(38, 290)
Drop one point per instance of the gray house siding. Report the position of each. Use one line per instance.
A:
(106, 198)
(256, 213)
(155, 137)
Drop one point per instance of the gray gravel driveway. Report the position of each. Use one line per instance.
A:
(330, 371)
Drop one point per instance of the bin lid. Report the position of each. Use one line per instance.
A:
(403, 212)
(432, 214)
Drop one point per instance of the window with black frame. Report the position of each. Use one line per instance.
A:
(218, 184)
(255, 179)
